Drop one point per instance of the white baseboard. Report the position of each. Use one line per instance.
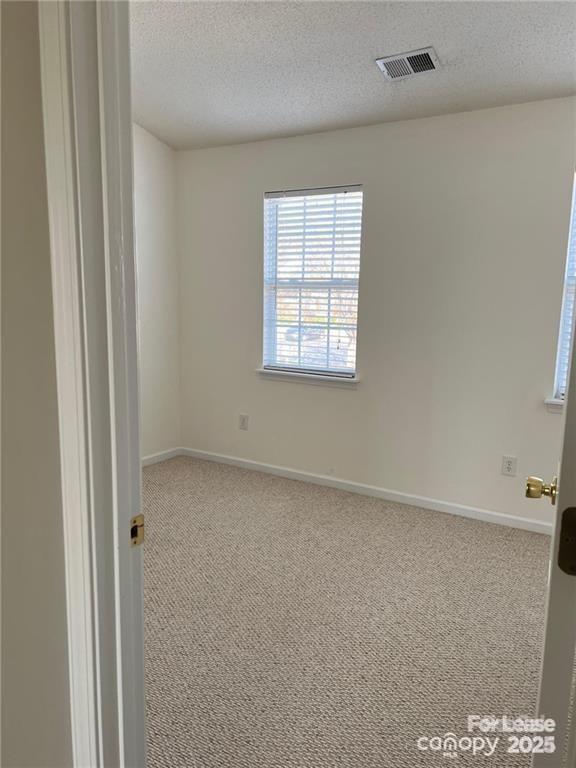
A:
(485, 515)
(154, 458)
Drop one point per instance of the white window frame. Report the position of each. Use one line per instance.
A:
(314, 375)
(566, 329)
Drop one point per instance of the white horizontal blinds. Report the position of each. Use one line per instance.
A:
(311, 269)
(566, 321)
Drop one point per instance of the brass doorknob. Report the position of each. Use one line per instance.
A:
(536, 488)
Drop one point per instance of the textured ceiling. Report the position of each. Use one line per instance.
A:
(211, 73)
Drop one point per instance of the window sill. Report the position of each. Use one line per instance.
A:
(554, 404)
(342, 382)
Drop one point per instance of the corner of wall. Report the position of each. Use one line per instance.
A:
(176, 157)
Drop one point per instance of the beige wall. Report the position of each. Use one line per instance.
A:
(157, 268)
(35, 713)
(464, 243)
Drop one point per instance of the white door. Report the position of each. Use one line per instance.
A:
(557, 692)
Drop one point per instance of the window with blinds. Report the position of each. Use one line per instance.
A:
(566, 318)
(311, 268)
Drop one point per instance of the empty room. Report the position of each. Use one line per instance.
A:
(352, 229)
(288, 424)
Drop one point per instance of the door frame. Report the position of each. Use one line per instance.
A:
(557, 689)
(85, 65)
(88, 141)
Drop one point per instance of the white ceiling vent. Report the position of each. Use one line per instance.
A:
(407, 64)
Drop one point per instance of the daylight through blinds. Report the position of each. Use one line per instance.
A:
(565, 337)
(311, 269)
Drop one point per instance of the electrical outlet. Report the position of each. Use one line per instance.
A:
(509, 465)
(243, 421)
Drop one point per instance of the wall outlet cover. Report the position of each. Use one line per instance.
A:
(509, 466)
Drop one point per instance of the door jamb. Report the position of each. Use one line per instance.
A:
(105, 655)
(84, 50)
(69, 349)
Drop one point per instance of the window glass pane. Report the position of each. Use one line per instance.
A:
(311, 268)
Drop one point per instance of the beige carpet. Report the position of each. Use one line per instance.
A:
(294, 626)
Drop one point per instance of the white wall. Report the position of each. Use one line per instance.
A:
(157, 275)
(35, 692)
(464, 243)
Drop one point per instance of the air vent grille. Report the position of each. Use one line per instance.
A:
(421, 62)
(397, 68)
(407, 64)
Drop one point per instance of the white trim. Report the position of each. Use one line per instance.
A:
(560, 386)
(313, 191)
(70, 375)
(554, 404)
(88, 134)
(156, 458)
(328, 380)
(435, 505)
(112, 20)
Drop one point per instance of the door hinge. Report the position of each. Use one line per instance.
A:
(137, 530)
